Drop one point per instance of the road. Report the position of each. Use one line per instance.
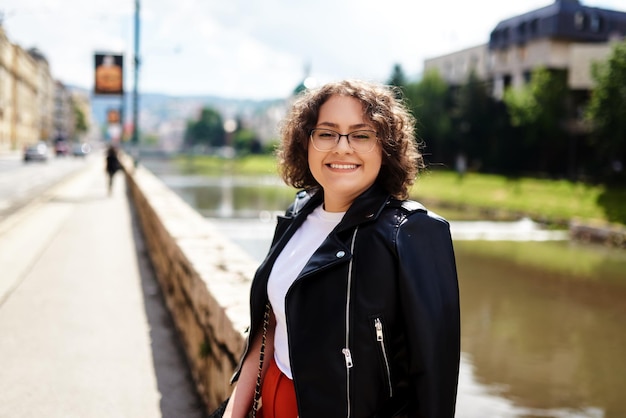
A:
(21, 182)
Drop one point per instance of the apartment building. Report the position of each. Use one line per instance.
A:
(19, 108)
(6, 91)
(27, 97)
(565, 35)
(63, 113)
(45, 94)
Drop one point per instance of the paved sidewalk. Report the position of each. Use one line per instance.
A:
(83, 329)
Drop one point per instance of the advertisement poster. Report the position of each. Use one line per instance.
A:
(109, 74)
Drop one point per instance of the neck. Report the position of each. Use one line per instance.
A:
(334, 205)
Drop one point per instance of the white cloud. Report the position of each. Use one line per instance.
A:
(255, 49)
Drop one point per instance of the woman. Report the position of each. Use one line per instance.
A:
(362, 283)
(112, 165)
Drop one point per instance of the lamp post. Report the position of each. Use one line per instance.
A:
(135, 136)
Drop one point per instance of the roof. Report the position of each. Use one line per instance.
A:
(564, 19)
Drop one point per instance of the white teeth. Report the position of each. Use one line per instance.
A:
(343, 166)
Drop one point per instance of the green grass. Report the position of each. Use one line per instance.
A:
(475, 196)
(540, 198)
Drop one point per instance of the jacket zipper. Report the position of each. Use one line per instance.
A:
(380, 337)
(346, 351)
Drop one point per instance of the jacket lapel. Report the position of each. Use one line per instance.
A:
(335, 248)
(286, 226)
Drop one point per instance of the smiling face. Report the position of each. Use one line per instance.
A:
(343, 173)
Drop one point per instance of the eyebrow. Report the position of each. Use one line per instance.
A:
(336, 126)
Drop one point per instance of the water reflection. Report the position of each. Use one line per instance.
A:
(552, 345)
(230, 199)
(542, 322)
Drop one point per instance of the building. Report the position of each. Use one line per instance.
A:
(45, 94)
(25, 115)
(565, 36)
(6, 91)
(27, 97)
(63, 113)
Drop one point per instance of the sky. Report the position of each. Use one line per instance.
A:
(251, 49)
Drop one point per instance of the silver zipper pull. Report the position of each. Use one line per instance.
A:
(348, 356)
(379, 329)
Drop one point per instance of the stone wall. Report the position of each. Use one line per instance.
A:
(205, 279)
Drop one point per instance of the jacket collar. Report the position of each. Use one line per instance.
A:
(365, 208)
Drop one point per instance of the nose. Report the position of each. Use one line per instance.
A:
(340, 144)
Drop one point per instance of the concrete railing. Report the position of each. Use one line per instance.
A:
(205, 279)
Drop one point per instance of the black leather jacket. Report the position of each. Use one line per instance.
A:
(373, 318)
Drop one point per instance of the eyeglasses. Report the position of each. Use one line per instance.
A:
(359, 141)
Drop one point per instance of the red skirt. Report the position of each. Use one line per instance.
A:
(278, 396)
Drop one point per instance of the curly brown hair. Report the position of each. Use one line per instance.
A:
(394, 124)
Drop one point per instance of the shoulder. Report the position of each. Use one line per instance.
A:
(420, 231)
(415, 212)
(301, 199)
(408, 206)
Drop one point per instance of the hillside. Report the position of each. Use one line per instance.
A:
(164, 107)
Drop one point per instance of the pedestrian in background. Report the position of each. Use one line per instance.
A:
(112, 165)
(356, 304)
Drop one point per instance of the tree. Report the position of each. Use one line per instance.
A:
(208, 130)
(606, 113)
(429, 101)
(397, 78)
(477, 118)
(245, 141)
(539, 111)
(80, 120)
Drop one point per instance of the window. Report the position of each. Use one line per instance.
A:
(534, 26)
(521, 33)
(580, 20)
(595, 23)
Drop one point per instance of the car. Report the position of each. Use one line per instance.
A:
(37, 152)
(81, 150)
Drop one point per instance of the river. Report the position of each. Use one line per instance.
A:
(542, 317)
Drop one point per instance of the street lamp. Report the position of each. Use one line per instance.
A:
(135, 136)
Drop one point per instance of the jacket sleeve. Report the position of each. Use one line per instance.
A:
(430, 304)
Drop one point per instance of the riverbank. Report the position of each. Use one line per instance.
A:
(593, 213)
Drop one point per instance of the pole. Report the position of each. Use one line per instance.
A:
(135, 137)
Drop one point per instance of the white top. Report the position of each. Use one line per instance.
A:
(288, 266)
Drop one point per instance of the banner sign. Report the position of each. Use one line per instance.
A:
(109, 74)
(113, 116)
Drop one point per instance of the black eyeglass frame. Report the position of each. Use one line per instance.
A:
(339, 136)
